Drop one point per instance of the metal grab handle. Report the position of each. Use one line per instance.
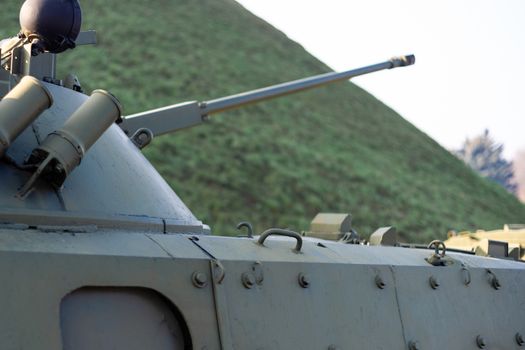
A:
(282, 232)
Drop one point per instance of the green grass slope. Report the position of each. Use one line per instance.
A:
(335, 149)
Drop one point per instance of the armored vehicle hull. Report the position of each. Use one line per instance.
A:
(105, 289)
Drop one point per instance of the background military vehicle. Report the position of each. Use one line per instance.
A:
(508, 242)
(97, 252)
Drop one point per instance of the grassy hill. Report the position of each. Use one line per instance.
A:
(336, 149)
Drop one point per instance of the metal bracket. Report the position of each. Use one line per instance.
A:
(439, 257)
(164, 120)
(142, 137)
(87, 38)
(218, 271)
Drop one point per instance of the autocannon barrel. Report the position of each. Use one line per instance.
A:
(245, 98)
(172, 118)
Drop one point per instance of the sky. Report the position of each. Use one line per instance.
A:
(470, 58)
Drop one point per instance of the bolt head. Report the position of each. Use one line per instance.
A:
(481, 342)
(466, 276)
(248, 280)
(434, 283)
(257, 272)
(414, 345)
(495, 283)
(199, 279)
(519, 339)
(380, 283)
(304, 280)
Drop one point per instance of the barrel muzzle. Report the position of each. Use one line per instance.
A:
(403, 61)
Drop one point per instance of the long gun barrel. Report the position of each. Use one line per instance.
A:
(172, 118)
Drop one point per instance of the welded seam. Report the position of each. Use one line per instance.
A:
(204, 250)
(221, 314)
(215, 294)
(397, 304)
(160, 246)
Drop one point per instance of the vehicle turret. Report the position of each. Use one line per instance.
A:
(64, 153)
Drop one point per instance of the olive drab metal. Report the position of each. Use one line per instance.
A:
(20, 107)
(98, 252)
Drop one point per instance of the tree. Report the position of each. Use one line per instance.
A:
(485, 156)
(519, 172)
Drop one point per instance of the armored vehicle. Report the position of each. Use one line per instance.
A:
(506, 243)
(98, 252)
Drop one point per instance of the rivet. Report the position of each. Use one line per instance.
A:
(248, 280)
(434, 283)
(379, 282)
(414, 345)
(480, 342)
(304, 280)
(199, 279)
(519, 339)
